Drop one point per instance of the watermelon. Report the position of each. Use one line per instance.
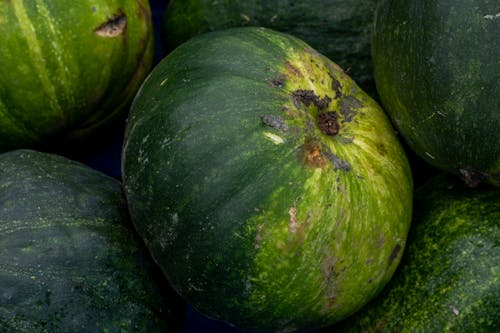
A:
(68, 70)
(70, 260)
(270, 189)
(340, 29)
(448, 279)
(436, 70)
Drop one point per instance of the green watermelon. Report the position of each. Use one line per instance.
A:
(449, 277)
(267, 185)
(68, 69)
(70, 260)
(340, 29)
(437, 73)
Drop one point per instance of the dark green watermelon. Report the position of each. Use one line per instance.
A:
(437, 72)
(70, 260)
(269, 187)
(340, 29)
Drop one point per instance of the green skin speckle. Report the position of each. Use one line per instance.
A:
(256, 216)
(437, 71)
(448, 279)
(69, 258)
(69, 70)
(339, 29)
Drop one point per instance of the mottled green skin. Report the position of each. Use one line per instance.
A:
(339, 29)
(437, 70)
(60, 79)
(256, 216)
(449, 278)
(69, 258)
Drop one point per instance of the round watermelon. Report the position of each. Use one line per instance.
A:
(339, 29)
(70, 260)
(69, 68)
(267, 185)
(448, 279)
(437, 74)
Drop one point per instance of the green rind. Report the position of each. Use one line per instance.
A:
(449, 278)
(61, 81)
(70, 260)
(339, 29)
(244, 226)
(437, 68)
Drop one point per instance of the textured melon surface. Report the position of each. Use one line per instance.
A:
(69, 68)
(271, 190)
(437, 71)
(449, 278)
(340, 29)
(69, 258)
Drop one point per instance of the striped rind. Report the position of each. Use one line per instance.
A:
(448, 279)
(437, 71)
(339, 29)
(248, 221)
(58, 78)
(69, 258)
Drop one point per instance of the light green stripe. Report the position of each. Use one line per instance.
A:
(58, 48)
(35, 51)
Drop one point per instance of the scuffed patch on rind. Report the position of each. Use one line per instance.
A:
(308, 97)
(337, 162)
(349, 106)
(293, 224)
(274, 121)
(311, 154)
(113, 27)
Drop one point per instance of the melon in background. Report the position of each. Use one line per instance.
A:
(68, 69)
(70, 260)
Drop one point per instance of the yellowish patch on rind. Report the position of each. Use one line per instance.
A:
(276, 139)
(359, 184)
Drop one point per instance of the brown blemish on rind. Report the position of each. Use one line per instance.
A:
(296, 228)
(278, 82)
(330, 275)
(113, 27)
(292, 69)
(308, 97)
(394, 254)
(328, 123)
(293, 224)
(311, 154)
(276, 122)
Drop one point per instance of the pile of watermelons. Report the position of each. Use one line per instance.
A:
(260, 166)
